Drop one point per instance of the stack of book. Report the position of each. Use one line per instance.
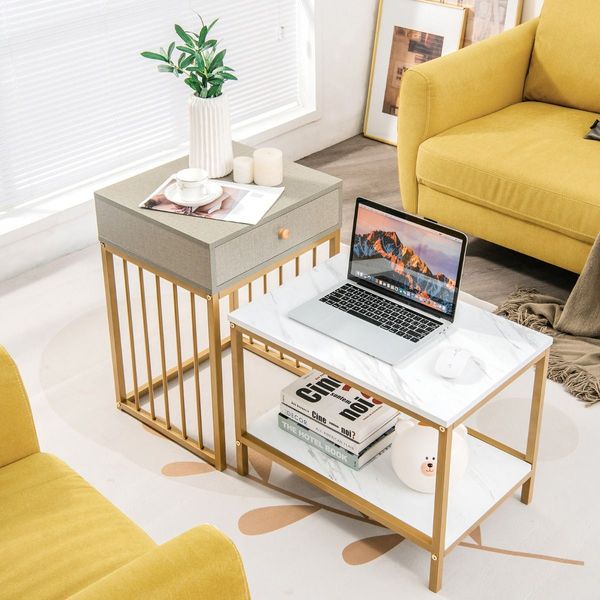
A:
(337, 419)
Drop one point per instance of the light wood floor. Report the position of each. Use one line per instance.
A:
(369, 169)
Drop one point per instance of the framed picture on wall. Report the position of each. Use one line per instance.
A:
(409, 32)
(488, 17)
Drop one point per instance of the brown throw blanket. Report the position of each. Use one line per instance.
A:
(574, 325)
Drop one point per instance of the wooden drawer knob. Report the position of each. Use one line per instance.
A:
(283, 233)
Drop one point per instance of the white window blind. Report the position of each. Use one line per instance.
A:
(77, 101)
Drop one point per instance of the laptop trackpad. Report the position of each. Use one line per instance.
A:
(353, 331)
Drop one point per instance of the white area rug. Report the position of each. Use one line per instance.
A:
(295, 541)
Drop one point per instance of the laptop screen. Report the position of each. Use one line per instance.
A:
(407, 257)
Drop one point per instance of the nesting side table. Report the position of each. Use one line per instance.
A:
(159, 268)
(438, 522)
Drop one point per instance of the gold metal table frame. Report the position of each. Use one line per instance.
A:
(140, 398)
(434, 544)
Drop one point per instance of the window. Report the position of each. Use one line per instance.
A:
(77, 101)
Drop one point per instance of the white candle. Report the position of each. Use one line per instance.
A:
(268, 166)
(243, 169)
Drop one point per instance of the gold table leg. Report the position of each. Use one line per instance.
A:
(440, 508)
(110, 289)
(535, 423)
(334, 243)
(239, 398)
(216, 379)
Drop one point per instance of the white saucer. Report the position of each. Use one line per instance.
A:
(173, 194)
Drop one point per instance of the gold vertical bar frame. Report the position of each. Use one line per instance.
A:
(141, 323)
(179, 361)
(136, 393)
(196, 368)
(265, 290)
(146, 341)
(114, 328)
(216, 379)
(239, 399)
(334, 244)
(163, 358)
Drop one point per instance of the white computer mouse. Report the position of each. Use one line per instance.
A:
(452, 362)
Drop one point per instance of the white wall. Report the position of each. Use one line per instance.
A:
(347, 29)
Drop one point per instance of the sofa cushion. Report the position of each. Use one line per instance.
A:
(57, 533)
(565, 64)
(528, 160)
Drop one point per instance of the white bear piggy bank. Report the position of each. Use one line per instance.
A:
(414, 451)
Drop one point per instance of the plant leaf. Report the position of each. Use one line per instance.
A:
(271, 518)
(166, 68)
(200, 60)
(154, 56)
(202, 35)
(228, 76)
(211, 25)
(193, 83)
(186, 49)
(217, 60)
(170, 50)
(186, 61)
(183, 35)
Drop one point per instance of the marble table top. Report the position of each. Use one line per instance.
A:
(500, 349)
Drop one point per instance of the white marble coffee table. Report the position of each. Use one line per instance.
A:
(438, 522)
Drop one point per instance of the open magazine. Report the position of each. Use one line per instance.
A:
(239, 203)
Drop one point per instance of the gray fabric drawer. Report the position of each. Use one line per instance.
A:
(261, 244)
(161, 247)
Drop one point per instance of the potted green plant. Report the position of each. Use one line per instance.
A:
(200, 63)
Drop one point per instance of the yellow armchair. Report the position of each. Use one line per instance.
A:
(60, 538)
(18, 438)
(201, 563)
(490, 144)
(440, 94)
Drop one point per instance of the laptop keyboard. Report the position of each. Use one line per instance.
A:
(381, 312)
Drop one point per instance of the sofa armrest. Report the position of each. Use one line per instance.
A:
(18, 438)
(456, 88)
(201, 564)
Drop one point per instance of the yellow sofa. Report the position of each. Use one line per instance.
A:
(490, 138)
(59, 538)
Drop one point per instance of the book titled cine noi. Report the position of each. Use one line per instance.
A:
(337, 412)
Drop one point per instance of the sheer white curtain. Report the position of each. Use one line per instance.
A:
(77, 100)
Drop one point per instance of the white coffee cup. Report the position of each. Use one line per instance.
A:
(191, 183)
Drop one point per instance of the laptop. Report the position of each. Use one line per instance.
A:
(402, 285)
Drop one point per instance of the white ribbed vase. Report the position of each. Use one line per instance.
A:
(210, 135)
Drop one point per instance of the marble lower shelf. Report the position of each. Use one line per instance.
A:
(490, 476)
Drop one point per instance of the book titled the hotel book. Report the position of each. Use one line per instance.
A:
(336, 418)
(354, 461)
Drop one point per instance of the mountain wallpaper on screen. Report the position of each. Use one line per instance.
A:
(407, 267)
